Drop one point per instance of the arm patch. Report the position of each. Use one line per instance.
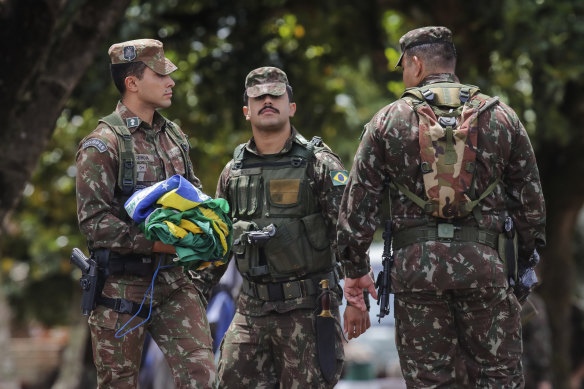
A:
(97, 143)
(339, 177)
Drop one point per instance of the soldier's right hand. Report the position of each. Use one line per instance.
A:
(160, 247)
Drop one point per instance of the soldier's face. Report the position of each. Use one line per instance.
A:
(269, 112)
(155, 90)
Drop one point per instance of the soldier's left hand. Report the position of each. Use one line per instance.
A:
(355, 322)
(353, 290)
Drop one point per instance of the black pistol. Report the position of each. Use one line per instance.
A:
(383, 283)
(260, 237)
(88, 280)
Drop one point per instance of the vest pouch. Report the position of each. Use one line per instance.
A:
(242, 252)
(299, 247)
(316, 231)
(286, 251)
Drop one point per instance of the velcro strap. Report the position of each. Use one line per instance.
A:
(287, 290)
(422, 234)
(125, 306)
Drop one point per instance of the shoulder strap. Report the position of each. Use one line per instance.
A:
(443, 94)
(183, 144)
(127, 166)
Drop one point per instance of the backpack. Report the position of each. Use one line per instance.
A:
(448, 116)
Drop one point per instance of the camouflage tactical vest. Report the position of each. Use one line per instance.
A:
(448, 130)
(127, 181)
(275, 189)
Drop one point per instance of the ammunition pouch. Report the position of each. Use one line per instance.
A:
(287, 290)
(445, 232)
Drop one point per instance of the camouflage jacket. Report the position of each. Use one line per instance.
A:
(389, 150)
(326, 194)
(100, 203)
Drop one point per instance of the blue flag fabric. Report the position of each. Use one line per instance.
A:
(184, 194)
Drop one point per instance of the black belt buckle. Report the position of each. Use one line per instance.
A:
(123, 306)
(275, 292)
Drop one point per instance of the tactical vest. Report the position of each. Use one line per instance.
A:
(275, 189)
(127, 181)
(448, 131)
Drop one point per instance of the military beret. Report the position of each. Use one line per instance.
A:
(148, 51)
(266, 80)
(422, 36)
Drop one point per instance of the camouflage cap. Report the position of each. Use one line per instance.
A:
(266, 80)
(148, 51)
(422, 36)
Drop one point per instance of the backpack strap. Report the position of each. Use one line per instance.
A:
(127, 165)
(176, 137)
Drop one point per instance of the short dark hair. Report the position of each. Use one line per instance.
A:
(436, 56)
(288, 91)
(122, 70)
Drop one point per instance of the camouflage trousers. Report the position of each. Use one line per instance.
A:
(275, 350)
(178, 324)
(459, 338)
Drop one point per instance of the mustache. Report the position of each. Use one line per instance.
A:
(268, 107)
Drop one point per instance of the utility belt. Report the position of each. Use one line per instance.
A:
(137, 265)
(287, 290)
(445, 232)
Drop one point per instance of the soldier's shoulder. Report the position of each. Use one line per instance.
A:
(399, 108)
(102, 138)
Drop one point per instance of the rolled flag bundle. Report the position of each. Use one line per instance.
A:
(175, 212)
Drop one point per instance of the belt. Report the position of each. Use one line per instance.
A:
(140, 265)
(445, 232)
(287, 290)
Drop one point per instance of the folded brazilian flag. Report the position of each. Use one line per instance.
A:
(175, 192)
(175, 212)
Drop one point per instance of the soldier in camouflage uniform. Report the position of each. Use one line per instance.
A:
(452, 294)
(139, 144)
(279, 178)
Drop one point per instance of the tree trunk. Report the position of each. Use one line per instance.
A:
(46, 47)
(558, 270)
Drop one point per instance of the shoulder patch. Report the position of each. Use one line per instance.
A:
(339, 177)
(97, 143)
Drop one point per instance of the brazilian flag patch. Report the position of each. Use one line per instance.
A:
(339, 177)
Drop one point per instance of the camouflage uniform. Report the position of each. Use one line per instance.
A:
(177, 321)
(451, 297)
(271, 343)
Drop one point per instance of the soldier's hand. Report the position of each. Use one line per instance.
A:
(355, 322)
(353, 290)
(160, 247)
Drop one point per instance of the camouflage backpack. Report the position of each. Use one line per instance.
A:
(448, 130)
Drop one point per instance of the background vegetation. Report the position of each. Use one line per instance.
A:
(339, 56)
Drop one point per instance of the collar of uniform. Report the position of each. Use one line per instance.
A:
(252, 148)
(439, 77)
(158, 121)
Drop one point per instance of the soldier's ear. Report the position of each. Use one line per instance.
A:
(246, 112)
(131, 83)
